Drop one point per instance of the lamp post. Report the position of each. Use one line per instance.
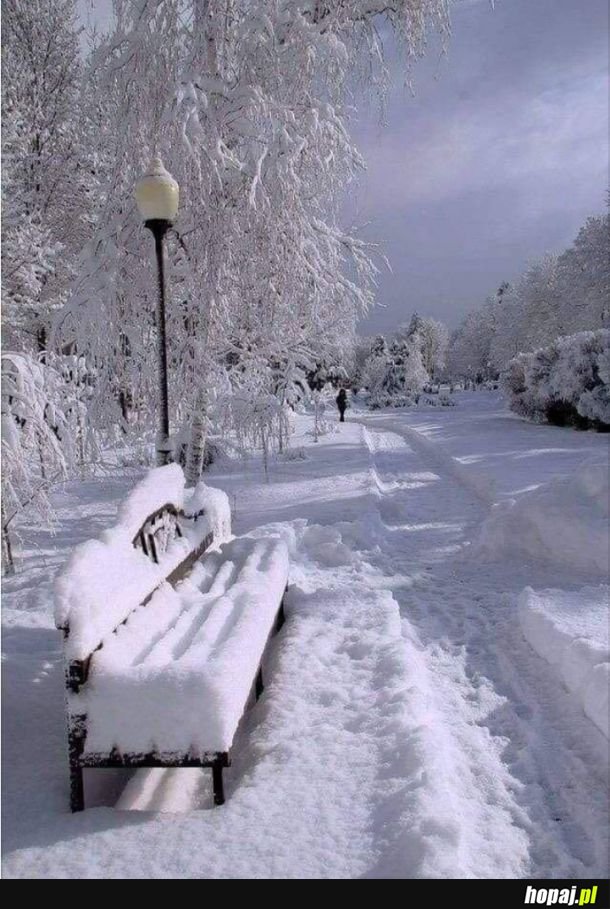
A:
(157, 197)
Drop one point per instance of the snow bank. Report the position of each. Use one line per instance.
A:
(570, 631)
(177, 675)
(106, 578)
(564, 522)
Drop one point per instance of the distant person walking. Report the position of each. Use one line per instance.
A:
(342, 404)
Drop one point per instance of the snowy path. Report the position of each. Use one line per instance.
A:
(407, 729)
(528, 778)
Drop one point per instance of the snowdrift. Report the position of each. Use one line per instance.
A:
(564, 522)
(570, 631)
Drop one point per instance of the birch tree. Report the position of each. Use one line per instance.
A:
(37, 444)
(45, 166)
(248, 105)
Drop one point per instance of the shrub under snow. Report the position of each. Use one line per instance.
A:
(566, 383)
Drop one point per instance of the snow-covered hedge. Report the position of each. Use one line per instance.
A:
(381, 400)
(566, 383)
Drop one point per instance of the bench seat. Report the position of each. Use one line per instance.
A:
(176, 677)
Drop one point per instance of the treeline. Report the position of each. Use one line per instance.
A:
(402, 364)
(555, 297)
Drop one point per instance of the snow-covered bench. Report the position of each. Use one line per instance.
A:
(163, 641)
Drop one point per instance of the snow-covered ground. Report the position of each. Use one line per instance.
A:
(570, 630)
(408, 728)
(505, 456)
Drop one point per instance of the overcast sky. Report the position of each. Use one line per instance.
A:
(498, 158)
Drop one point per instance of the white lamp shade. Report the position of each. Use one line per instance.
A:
(157, 193)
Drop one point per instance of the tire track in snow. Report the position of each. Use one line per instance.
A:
(525, 810)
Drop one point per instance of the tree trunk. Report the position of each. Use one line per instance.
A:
(280, 444)
(41, 342)
(265, 446)
(196, 445)
(81, 442)
(124, 398)
(43, 470)
(8, 562)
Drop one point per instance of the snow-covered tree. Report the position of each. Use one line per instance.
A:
(37, 442)
(394, 370)
(594, 402)
(469, 351)
(375, 374)
(29, 260)
(413, 327)
(248, 103)
(407, 372)
(360, 354)
(555, 296)
(584, 277)
(433, 341)
(566, 382)
(45, 199)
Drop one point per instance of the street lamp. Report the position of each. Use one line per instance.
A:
(157, 198)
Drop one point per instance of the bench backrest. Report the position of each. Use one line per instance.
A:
(160, 531)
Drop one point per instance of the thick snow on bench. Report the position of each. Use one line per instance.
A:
(176, 677)
(106, 578)
(570, 631)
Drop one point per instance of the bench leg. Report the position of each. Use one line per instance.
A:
(77, 790)
(219, 792)
(258, 685)
(76, 738)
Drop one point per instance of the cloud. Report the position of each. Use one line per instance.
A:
(498, 158)
(546, 140)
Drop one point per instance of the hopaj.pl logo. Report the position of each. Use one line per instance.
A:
(566, 896)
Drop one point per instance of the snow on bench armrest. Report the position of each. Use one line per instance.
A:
(215, 503)
(105, 579)
(186, 690)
